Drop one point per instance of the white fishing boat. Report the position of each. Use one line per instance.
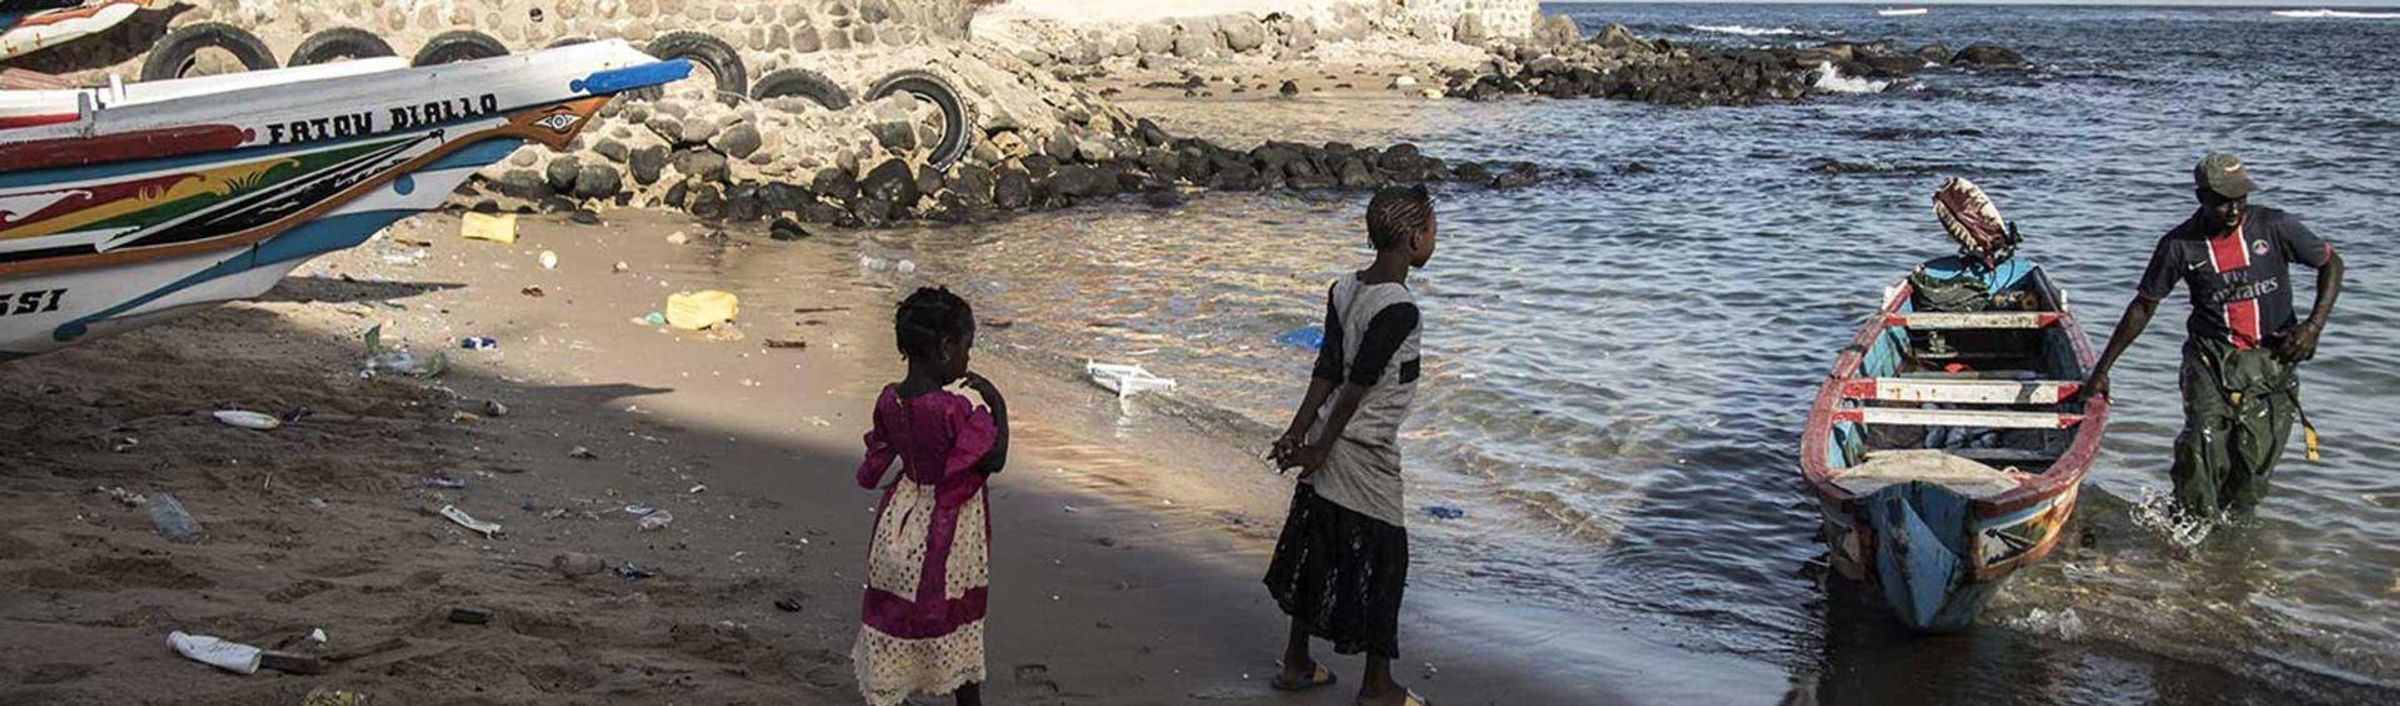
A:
(1901, 11)
(130, 204)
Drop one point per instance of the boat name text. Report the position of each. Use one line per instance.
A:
(365, 122)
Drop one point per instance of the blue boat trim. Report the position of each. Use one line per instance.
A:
(620, 80)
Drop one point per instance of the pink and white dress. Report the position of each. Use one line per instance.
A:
(921, 628)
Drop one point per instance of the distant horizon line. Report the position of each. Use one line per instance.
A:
(2213, 4)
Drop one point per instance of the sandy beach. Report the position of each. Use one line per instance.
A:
(1128, 543)
(1659, 224)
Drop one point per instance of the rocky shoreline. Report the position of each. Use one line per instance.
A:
(1044, 134)
(1616, 64)
(1036, 144)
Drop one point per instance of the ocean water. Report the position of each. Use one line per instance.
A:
(1618, 369)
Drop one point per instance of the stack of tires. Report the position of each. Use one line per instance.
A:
(177, 55)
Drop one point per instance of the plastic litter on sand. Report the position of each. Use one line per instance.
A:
(498, 228)
(248, 420)
(172, 520)
(656, 520)
(693, 311)
(468, 521)
(215, 652)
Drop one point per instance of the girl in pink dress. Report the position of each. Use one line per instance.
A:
(921, 628)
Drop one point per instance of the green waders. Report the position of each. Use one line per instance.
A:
(2238, 407)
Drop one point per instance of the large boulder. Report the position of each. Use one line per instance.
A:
(646, 164)
(1012, 189)
(524, 184)
(1989, 57)
(1616, 36)
(702, 164)
(1556, 30)
(1083, 182)
(1235, 177)
(888, 192)
(745, 203)
(1242, 33)
(561, 173)
(738, 141)
(893, 125)
(972, 185)
(696, 130)
(1469, 29)
(614, 150)
(785, 198)
(597, 181)
(1197, 38)
(835, 184)
(1154, 38)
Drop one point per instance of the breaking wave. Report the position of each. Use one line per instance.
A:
(1831, 80)
(1750, 31)
(2337, 14)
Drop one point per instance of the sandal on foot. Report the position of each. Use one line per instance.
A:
(1317, 676)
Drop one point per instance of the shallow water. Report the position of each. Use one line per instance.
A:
(1618, 369)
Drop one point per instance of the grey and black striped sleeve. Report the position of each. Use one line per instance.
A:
(1390, 328)
(1329, 352)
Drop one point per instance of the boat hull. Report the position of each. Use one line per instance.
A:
(1933, 553)
(128, 226)
(54, 307)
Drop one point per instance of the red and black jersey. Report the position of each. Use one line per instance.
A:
(2240, 280)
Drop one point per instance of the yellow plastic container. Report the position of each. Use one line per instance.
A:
(692, 311)
(498, 228)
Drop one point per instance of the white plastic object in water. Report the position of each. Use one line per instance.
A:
(248, 420)
(229, 656)
(1126, 380)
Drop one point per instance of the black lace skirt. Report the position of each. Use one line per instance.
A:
(1340, 574)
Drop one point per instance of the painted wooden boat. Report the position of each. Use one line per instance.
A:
(162, 197)
(27, 26)
(1946, 449)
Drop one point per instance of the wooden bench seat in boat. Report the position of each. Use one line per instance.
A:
(1966, 476)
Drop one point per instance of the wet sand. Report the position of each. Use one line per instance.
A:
(1128, 539)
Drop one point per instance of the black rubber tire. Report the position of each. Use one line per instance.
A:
(957, 122)
(168, 57)
(339, 43)
(458, 45)
(711, 53)
(801, 83)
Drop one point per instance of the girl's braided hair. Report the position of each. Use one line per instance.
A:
(927, 319)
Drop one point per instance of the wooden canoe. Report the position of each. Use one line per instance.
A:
(1946, 449)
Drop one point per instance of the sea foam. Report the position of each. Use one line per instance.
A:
(1749, 31)
(1831, 80)
(2337, 14)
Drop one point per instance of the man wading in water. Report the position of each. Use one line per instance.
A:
(1342, 561)
(2240, 380)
